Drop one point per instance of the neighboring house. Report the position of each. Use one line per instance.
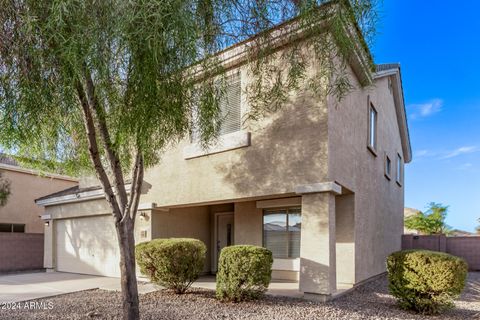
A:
(461, 233)
(407, 212)
(21, 214)
(319, 183)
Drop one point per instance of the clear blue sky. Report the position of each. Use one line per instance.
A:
(438, 46)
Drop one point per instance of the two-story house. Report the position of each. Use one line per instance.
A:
(319, 183)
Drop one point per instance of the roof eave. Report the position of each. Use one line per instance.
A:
(396, 76)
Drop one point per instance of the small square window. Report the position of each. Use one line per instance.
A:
(372, 129)
(399, 173)
(388, 167)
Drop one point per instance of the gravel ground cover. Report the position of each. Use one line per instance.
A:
(370, 301)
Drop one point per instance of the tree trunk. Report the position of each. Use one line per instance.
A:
(125, 233)
(124, 213)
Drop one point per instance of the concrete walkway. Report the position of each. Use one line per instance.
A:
(27, 286)
(276, 287)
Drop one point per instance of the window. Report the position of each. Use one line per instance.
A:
(10, 227)
(230, 109)
(281, 232)
(372, 128)
(388, 167)
(399, 175)
(230, 105)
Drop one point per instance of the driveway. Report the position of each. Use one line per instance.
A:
(27, 286)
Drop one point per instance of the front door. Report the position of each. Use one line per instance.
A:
(224, 233)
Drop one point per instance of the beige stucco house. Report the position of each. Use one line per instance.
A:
(319, 183)
(21, 214)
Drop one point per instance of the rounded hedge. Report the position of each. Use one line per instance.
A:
(425, 281)
(244, 272)
(172, 263)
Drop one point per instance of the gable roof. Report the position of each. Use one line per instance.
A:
(393, 70)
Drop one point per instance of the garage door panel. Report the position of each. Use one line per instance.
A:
(88, 245)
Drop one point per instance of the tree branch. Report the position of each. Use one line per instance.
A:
(113, 159)
(136, 189)
(94, 154)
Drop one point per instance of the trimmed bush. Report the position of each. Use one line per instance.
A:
(172, 263)
(244, 273)
(425, 281)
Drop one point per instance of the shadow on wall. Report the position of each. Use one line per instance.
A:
(146, 186)
(288, 148)
(92, 252)
(316, 277)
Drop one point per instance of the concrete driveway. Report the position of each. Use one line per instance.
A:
(27, 286)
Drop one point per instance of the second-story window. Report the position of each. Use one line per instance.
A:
(399, 173)
(230, 108)
(388, 167)
(372, 127)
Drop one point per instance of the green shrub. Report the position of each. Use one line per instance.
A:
(425, 281)
(172, 263)
(244, 272)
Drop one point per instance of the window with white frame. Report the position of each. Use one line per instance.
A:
(281, 232)
(399, 173)
(372, 127)
(230, 108)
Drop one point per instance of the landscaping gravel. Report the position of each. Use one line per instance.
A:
(370, 301)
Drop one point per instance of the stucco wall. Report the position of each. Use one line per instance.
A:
(287, 149)
(248, 224)
(191, 222)
(79, 209)
(25, 188)
(378, 201)
(345, 238)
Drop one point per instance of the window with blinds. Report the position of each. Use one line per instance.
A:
(281, 232)
(230, 106)
(230, 109)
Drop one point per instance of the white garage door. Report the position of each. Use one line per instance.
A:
(88, 245)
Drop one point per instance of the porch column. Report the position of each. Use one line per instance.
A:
(317, 251)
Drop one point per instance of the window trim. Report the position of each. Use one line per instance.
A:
(372, 148)
(388, 173)
(399, 170)
(263, 230)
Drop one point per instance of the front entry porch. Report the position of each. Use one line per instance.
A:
(311, 237)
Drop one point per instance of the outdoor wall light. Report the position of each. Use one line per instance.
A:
(47, 223)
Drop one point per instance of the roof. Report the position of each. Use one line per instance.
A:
(68, 191)
(387, 67)
(393, 70)
(75, 194)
